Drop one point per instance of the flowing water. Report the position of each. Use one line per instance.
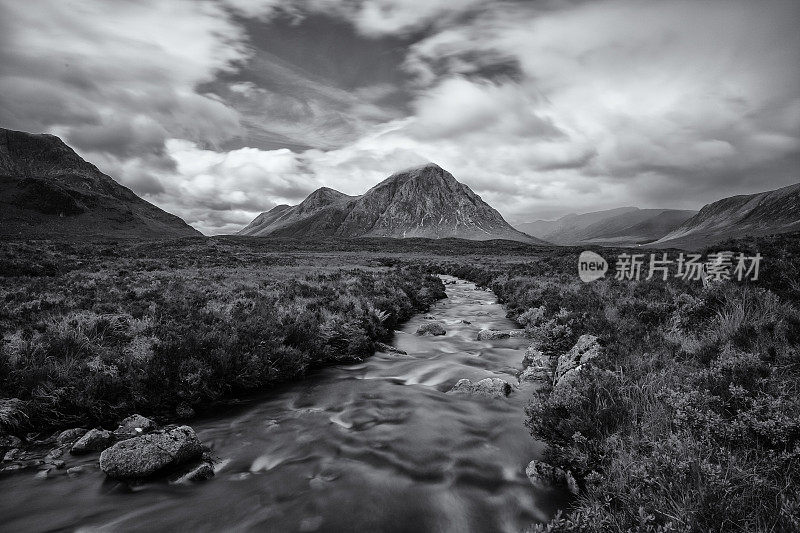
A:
(376, 446)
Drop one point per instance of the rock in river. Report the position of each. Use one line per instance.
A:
(144, 456)
(432, 328)
(382, 347)
(487, 388)
(492, 334)
(95, 440)
(71, 435)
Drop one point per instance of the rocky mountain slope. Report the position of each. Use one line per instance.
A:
(624, 226)
(47, 190)
(421, 202)
(763, 213)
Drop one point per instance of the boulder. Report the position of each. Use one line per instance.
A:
(432, 328)
(544, 475)
(70, 435)
(486, 388)
(584, 351)
(492, 334)
(147, 455)
(516, 333)
(95, 440)
(534, 357)
(134, 426)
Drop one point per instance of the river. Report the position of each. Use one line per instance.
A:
(376, 446)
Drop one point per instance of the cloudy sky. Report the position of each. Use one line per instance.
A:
(217, 110)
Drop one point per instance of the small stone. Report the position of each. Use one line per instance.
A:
(55, 453)
(545, 475)
(76, 471)
(70, 435)
(381, 347)
(12, 455)
(200, 472)
(59, 464)
(133, 426)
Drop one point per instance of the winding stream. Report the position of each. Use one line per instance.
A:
(375, 446)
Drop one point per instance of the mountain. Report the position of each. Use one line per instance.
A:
(624, 226)
(421, 202)
(763, 213)
(562, 228)
(47, 190)
(284, 215)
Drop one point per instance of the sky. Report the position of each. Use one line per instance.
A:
(217, 110)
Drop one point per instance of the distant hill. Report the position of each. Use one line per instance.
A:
(285, 215)
(421, 202)
(624, 226)
(47, 190)
(758, 214)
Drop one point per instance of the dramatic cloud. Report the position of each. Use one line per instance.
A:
(117, 77)
(218, 110)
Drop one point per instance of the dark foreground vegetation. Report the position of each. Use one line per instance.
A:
(689, 420)
(94, 332)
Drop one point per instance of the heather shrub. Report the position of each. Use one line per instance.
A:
(689, 420)
(132, 334)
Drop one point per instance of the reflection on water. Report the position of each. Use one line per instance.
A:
(376, 446)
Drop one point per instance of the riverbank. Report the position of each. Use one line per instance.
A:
(378, 445)
(686, 417)
(93, 334)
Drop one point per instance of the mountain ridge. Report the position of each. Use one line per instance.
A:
(47, 189)
(768, 212)
(622, 226)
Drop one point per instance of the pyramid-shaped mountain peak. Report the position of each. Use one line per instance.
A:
(423, 201)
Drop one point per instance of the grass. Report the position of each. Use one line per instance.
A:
(690, 420)
(93, 333)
